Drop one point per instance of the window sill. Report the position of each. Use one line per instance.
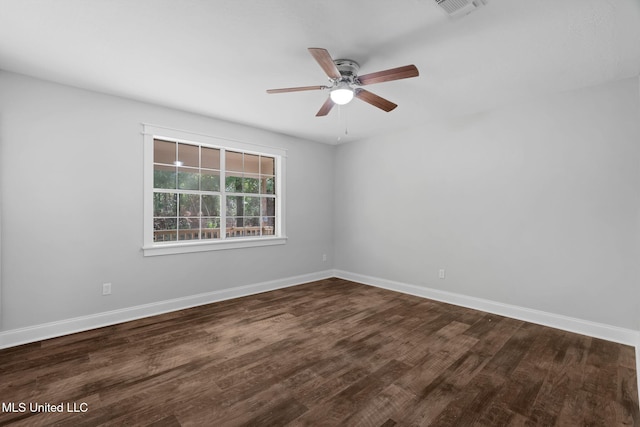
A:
(189, 247)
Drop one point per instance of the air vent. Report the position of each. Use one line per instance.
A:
(460, 7)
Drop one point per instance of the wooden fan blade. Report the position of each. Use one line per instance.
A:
(326, 107)
(375, 100)
(296, 89)
(326, 62)
(389, 75)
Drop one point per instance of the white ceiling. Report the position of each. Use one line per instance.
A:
(218, 57)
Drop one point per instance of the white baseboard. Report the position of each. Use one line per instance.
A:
(570, 324)
(35, 333)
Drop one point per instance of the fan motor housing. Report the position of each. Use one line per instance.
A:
(347, 67)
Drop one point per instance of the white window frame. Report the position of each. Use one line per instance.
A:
(151, 248)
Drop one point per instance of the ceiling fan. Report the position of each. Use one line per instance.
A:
(345, 83)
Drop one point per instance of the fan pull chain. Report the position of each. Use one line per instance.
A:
(346, 123)
(339, 120)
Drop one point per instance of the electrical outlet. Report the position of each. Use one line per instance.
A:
(441, 273)
(324, 257)
(106, 289)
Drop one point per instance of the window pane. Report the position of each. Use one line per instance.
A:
(189, 205)
(165, 204)
(252, 221)
(210, 222)
(210, 228)
(164, 176)
(234, 206)
(234, 222)
(267, 165)
(252, 206)
(188, 179)
(189, 233)
(189, 228)
(210, 205)
(210, 158)
(268, 226)
(210, 181)
(164, 152)
(268, 207)
(252, 163)
(164, 229)
(233, 161)
(189, 155)
(252, 226)
(164, 224)
(267, 185)
(233, 183)
(251, 184)
(235, 227)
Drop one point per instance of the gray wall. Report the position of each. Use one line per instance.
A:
(535, 205)
(72, 207)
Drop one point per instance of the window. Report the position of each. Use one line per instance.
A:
(206, 193)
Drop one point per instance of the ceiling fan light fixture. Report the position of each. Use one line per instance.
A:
(342, 94)
(345, 83)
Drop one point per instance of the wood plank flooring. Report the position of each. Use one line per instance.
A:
(327, 353)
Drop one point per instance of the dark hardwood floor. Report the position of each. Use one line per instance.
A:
(332, 353)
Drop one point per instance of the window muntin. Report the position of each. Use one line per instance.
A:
(188, 207)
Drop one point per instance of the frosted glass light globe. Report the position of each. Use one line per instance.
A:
(342, 95)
